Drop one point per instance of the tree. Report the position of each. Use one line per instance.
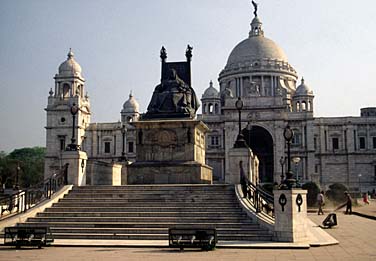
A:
(313, 189)
(28, 162)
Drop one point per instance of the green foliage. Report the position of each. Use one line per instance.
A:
(336, 192)
(28, 162)
(313, 190)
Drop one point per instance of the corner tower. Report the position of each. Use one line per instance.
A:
(69, 90)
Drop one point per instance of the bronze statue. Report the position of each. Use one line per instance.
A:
(255, 7)
(163, 54)
(188, 52)
(173, 97)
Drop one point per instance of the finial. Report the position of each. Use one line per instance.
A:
(255, 8)
(188, 53)
(163, 54)
(51, 92)
(302, 80)
(211, 83)
(70, 54)
(87, 95)
(130, 94)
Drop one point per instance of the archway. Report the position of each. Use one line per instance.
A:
(261, 143)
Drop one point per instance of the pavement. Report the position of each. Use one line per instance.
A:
(356, 234)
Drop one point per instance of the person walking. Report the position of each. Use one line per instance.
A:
(320, 202)
(348, 203)
(365, 198)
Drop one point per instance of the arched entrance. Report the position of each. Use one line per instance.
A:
(261, 143)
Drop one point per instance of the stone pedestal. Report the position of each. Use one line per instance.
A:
(290, 220)
(104, 173)
(170, 152)
(250, 165)
(77, 166)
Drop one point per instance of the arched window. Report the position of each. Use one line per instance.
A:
(304, 106)
(210, 109)
(298, 106)
(66, 89)
(309, 106)
(216, 108)
(204, 108)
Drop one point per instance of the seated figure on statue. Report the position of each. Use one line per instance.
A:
(173, 98)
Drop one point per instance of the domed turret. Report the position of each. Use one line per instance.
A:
(303, 98)
(303, 90)
(211, 101)
(131, 110)
(210, 92)
(70, 67)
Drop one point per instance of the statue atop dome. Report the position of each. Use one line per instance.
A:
(255, 5)
(174, 97)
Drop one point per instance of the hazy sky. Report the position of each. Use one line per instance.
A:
(331, 43)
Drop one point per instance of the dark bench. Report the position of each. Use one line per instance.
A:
(27, 236)
(206, 238)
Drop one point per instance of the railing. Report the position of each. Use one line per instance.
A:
(259, 198)
(25, 199)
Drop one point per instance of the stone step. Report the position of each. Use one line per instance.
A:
(139, 219)
(142, 214)
(153, 209)
(115, 203)
(121, 199)
(227, 225)
(220, 231)
(168, 188)
(103, 236)
(150, 196)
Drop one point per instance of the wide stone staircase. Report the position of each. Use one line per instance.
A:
(146, 212)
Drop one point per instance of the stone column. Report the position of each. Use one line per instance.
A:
(77, 166)
(290, 218)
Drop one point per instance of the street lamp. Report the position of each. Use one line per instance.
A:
(288, 134)
(18, 168)
(360, 189)
(73, 146)
(296, 161)
(240, 142)
(282, 161)
(123, 131)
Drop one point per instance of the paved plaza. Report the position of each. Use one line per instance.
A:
(356, 234)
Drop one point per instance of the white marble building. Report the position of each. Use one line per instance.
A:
(335, 149)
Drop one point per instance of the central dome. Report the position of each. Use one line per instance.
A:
(255, 48)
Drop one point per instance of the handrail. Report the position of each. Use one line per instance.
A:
(25, 199)
(259, 198)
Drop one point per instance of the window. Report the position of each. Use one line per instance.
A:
(362, 143)
(107, 147)
(316, 168)
(214, 140)
(130, 147)
(315, 143)
(374, 142)
(335, 143)
(296, 140)
(62, 143)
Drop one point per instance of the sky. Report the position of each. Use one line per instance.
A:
(332, 44)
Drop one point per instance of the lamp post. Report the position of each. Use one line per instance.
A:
(240, 142)
(296, 161)
(282, 161)
(360, 188)
(288, 134)
(73, 146)
(18, 168)
(123, 131)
